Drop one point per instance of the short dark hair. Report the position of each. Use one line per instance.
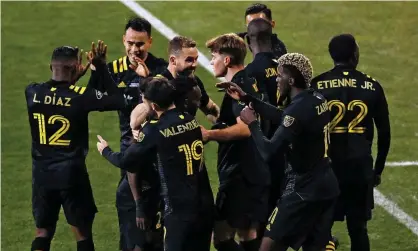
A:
(139, 24)
(342, 47)
(176, 44)
(160, 91)
(259, 29)
(64, 53)
(257, 8)
(230, 44)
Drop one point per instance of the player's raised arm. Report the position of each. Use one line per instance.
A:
(207, 105)
(94, 100)
(266, 110)
(382, 122)
(281, 137)
(104, 149)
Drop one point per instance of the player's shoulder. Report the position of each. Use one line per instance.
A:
(150, 125)
(368, 77)
(322, 76)
(148, 131)
(305, 102)
(119, 65)
(156, 60)
(32, 86)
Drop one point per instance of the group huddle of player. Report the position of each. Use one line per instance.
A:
(294, 152)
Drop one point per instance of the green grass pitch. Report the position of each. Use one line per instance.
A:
(386, 31)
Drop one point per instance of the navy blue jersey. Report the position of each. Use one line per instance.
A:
(58, 118)
(357, 102)
(303, 136)
(175, 143)
(239, 158)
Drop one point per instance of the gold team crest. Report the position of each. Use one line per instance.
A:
(288, 120)
(141, 136)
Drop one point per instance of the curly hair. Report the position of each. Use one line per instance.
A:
(300, 62)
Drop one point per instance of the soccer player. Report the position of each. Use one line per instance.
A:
(137, 40)
(244, 178)
(183, 56)
(264, 69)
(138, 209)
(357, 102)
(58, 116)
(304, 213)
(174, 142)
(259, 10)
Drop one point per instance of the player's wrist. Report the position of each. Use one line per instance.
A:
(253, 124)
(139, 206)
(106, 151)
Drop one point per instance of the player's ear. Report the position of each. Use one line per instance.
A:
(273, 23)
(291, 81)
(172, 60)
(50, 67)
(227, 61)
(150, 40)
(123, 39)
(153, 106)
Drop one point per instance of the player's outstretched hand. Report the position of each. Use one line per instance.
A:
(102, 144)
(81, 69)
(248, 115)
(97, 55)
(140, 67)
(233, 90)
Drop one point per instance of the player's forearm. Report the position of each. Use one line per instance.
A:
(139, 115)
(265, 110)
(211, 110)
(94, 81)
(106, 79)
(133, 184)
(265, 146)
(113, 157)
(383, 146)
(235, 132)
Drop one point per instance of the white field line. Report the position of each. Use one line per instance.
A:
(391, 207)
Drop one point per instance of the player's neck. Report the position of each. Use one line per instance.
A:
(295, 91)
(345, 64)
(260, 49)
(145, 57)
(159, 113)
(172, 70)
(61, 77)
(232, 71)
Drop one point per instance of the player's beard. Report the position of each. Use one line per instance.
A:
(284, 94)
(188, 72)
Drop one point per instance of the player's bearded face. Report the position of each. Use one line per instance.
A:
(137, 44)
(218, 63)
(283, 84)
(186, 62)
